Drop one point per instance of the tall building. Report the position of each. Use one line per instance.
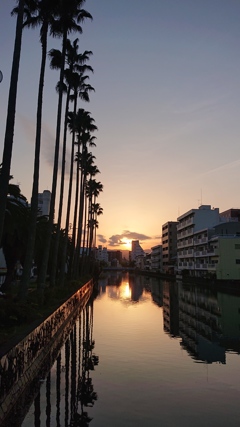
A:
(101, 254)
(190, 223)
(44, 200)
(156, 258)
(136, 250)
(209, 244)
(169, 246)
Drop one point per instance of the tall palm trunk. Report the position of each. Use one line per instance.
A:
(34, 199)
(65, 243)
(9, 131)
(76, 207)
(44, 266)
(80, 223)
(57, 237)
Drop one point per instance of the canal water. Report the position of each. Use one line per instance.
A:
(145, 352)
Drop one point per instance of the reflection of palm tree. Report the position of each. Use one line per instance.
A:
(86, 394)
(67, 362)
(37, 411)
(48, 400)
(73, 372)
(58, 387)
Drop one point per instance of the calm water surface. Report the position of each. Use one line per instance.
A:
(146, 353)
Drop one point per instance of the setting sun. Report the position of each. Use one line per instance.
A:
(127, 243)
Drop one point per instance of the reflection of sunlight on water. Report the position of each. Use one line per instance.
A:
(125, 291)
(128, 293)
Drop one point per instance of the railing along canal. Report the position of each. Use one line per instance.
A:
(21, 364)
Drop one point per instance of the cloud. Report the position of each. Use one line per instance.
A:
(101, 238)
(117, 239)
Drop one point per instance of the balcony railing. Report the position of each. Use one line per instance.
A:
(185, 223)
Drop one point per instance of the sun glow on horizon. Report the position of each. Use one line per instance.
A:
(127, 243)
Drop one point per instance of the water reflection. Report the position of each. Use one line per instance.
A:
(66, 392)
(149, 335)
(207, 322)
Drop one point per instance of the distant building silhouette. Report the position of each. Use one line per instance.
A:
(136, 250)
(44, 200)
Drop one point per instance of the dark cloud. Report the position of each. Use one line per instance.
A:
(117, 239)
(101, 238)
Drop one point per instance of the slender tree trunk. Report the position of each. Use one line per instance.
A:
(34, 199)
(84, 244)
(43, 270)
(57, 237)
(76, 207)
(65, 243)
(80, 225)
(9, 131)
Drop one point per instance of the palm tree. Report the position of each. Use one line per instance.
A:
(70, 15)
(74, 61)
(37, 13)
(10, 122)
(82, 124)
(85, 161)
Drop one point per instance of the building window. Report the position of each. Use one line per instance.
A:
(237, 261)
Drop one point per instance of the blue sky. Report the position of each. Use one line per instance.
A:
(167, 82)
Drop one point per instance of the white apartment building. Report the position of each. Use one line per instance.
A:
(189, 224)
(156, 258)
(210, 251)
(101, 254)
(44, 200)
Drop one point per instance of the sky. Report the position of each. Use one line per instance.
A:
(166, 104)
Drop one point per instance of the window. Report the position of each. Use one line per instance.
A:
(237, 261)
(237, 246)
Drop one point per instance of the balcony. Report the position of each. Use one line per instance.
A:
(200, 241)
(185, 223)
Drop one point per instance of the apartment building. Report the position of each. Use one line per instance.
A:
(156, 258)
(213, 251)
(189, 224)
(101, 254)
(169, 246)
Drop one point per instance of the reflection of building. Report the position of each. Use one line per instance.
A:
(169, 246)
(170, 309)
(136, 285)
(200, 325)
(156, 258)
(230, 321)
(44, 200)
(156, 287)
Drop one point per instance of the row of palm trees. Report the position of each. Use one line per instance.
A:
(58, 18)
